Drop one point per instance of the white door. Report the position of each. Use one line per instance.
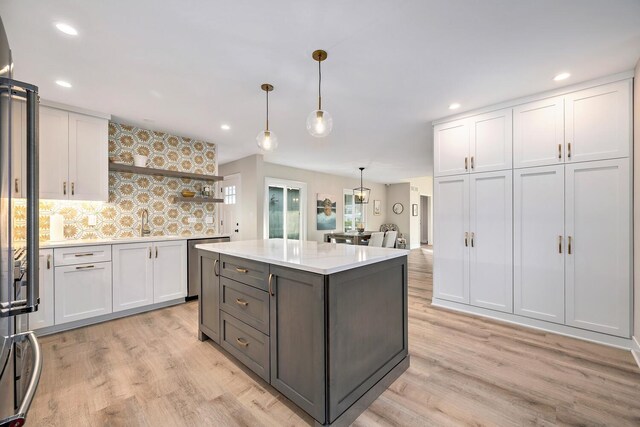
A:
(451, 148)
(451, 239)
(491, 141)
(132, 275)
(285, 206)
(491, 255)
(88, 158)
(169, 270)
(18, 148)
(539, 244)
(45, 315)
(538, 133)
(598, 122)
(231, 209)
(82, 291)
(54, 153)
(598, 268)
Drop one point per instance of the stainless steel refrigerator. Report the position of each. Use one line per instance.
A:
(20, 357)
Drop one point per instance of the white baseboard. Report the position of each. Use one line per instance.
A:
(635, 349)
(569, 331)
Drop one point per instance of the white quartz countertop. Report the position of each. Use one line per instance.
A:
(321, 258)
(118, 240)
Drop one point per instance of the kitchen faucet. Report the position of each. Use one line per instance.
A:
(144, 225)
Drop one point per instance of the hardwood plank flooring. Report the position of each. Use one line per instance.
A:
(151, 370)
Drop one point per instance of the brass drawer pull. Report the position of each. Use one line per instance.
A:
(559, 244)
(241, 270)
(242, 342)
(472, 237)
(466, 163)
(472, 163)
(149, 252)
(48, 262)
(271, 291)
(466, 239)
(64, 188)
(560, 151)
(17, 190)
(215, 268)
(73, 188)
(569, 149)
(85, 267)
(156, 252)
(242, 302)
(569, 246)
(85, 254)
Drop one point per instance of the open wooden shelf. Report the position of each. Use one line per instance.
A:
(180, 199)
(162, 172)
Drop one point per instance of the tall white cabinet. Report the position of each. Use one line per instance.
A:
(534, 218)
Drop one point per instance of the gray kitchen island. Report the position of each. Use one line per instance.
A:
(325, 324)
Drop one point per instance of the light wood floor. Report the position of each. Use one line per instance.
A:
(151, 370)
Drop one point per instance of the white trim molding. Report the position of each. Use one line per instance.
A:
(568, 331)
(635, 349)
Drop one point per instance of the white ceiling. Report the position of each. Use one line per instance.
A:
(393, 66)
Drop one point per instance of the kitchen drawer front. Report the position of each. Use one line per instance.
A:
(245, 271)
(81, 255)
(246, 303)
(246, 344)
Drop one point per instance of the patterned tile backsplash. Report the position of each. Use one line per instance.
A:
(130, 193)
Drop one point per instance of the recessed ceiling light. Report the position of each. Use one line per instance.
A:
(67, 29)
(454, 106)
(225, 127)
(63, 83)
(561, 76)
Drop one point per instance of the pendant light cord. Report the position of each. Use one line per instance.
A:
(319, 83)
(267, 110)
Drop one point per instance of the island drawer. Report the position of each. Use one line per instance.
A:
(246, 303)
(247, 344)
(81, 255)
(245, 271)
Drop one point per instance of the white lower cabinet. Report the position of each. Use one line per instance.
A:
(45, 315)
(82, 291)
(148, 273)
(598, 224)
(539, 246)
(132, 275)
(169, 271)
(491, 225)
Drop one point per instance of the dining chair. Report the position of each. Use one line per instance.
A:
(376, 239)
(390, 239)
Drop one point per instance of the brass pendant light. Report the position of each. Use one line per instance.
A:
(319, 122)
(361, 194)
(267, 140)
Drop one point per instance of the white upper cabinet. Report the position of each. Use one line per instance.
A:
(169, 271)
(451, 148)
(54, 153)
(539, 244)
(598, 122)
(598, 224)
(490, 240)
(538, 133)
(451, 251)
(73, 156)
(491, 141)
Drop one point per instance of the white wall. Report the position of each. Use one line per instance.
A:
(414, 221)
(318, 182)
(636, 205)
(400, 193)
(425, 188)
(251, 193)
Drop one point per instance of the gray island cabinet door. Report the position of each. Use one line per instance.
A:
(209, 295)
(297, 326)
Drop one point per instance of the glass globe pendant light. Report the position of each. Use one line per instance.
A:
(267, 140)
(319, 122)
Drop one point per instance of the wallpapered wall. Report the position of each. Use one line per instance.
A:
(130, 193)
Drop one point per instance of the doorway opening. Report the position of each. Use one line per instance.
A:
(425, 209)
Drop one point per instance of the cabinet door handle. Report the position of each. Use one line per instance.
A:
(215, 268)
(569, 150)
(569, 245)
(16, 184)
(466, 239)
(85, 267)
(48, 262)
(271, 291)
(241, 270)
(149, 252)
(156, 252)
(560, 151)
(242, 342)
(242, 302)
(559, 244)
(472, 163)
(472, 236)
(64, 188)
(86, 254)
(73, 188)
(466, 163)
